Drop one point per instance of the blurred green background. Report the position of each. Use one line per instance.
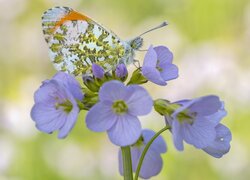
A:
(210, 40)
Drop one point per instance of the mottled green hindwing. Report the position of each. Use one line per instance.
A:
(76, 42)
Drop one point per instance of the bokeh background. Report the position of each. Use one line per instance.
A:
(210, 40)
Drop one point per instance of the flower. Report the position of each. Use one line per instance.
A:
(221, 144)
(194, 121)
(157, 66)
(121, 71)
(152, 163)
(117, 111)
(98, 71)
(56, 106)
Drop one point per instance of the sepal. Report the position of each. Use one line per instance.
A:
(90, 83)
(137, 77)
(164, 107)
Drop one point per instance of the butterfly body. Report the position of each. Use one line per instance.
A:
(76, 42)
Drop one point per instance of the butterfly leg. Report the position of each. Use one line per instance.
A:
(137, 63)
(142, 50)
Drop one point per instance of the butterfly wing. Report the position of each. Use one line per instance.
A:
(76, 42)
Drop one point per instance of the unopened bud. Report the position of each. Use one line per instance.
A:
(121, 72)
(98, 71)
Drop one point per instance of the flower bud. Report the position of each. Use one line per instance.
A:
(98, 71)
(121, 72)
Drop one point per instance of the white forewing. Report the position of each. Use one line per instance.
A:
(76, 41)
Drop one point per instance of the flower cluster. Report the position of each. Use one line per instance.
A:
(113, 104)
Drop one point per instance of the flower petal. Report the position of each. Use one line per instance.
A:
(52, 125)
(136, 98)
(200, 134)
(168, 120)
(158, 145)
(112, 90)
(206, 105)
(169, 71)
(44, 113)
(135, 156)
(69, 123)
(221, 144)
(202, 106)
(217, 117)
(100, 117)
(125, 131)
(153, 75)
(150, 59)
(152, 165)
(70, 83)
(47, 91)
(163, 54)
(177, 135)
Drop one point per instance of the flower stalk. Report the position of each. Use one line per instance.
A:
(137, 172)
(127, 163)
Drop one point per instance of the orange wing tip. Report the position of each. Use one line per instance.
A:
(71, 16)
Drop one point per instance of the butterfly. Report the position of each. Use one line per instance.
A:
(76, 42)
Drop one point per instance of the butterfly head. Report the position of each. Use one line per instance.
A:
(136, 43)
(130, 47)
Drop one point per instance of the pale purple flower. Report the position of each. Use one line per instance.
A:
(195, 121)
(121, 71)
(117, 111)
(55, 105)
(157, 66)
(152, 163)
(98, 71)
(221, 144)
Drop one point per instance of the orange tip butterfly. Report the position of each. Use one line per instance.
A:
(76, 42)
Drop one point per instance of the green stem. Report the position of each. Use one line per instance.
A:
(146, 149)
(127, 163)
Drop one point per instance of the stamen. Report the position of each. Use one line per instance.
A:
(66, 106)
(119, 107)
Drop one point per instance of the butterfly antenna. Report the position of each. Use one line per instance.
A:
(157, 27)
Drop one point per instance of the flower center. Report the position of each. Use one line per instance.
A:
(66, 106)
(158, 67)
(119, 107)
(187, 117)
